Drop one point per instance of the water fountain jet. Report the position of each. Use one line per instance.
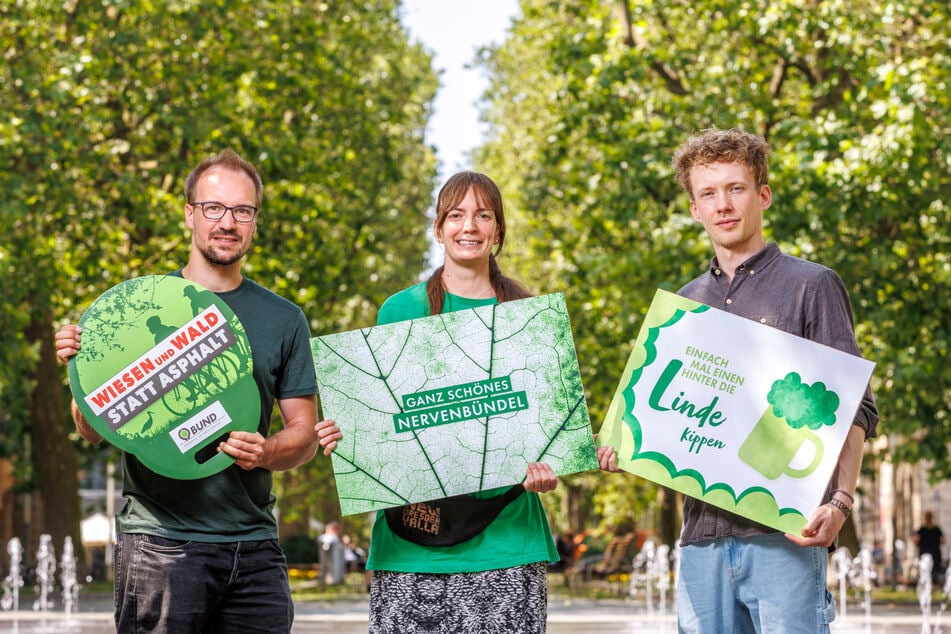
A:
(14, 580)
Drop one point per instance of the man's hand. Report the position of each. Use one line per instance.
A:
(67, 345)
(822, 528)
(67, 342)
(827, 520)
(247, 449)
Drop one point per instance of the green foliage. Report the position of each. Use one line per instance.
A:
(589, 100)
(301, 549)
(108, 105)
(801, 404)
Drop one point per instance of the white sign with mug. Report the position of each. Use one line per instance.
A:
(736, 413)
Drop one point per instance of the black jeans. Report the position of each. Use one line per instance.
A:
(164, 585)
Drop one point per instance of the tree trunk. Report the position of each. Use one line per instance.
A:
(55, 475)
(7, 483)
(669, 516)
(579, 507)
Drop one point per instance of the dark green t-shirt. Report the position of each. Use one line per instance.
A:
(235, 504)
(519, 535)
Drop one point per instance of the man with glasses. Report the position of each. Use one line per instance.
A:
(202, 555)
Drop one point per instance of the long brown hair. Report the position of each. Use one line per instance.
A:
(489, 196)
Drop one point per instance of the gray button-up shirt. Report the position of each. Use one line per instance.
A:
(792, 294)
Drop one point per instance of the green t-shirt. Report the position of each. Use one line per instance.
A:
(235, 504)
(519, 535)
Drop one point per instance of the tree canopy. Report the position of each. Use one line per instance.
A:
(590, 98)
(108, 105)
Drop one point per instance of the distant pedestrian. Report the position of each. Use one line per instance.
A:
(929, 540)
(333, 566)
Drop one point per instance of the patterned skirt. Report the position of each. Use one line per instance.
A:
(495, 601)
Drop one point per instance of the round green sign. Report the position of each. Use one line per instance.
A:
(164, 372)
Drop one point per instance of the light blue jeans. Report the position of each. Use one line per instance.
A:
(763, 584)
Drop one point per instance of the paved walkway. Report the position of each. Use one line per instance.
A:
(564, 616)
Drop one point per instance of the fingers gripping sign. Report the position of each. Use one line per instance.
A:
(247, 449)
(540, 478)
(328, 434)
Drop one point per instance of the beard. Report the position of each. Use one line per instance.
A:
(213, 257)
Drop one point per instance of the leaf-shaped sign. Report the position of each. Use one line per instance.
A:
(453, 403)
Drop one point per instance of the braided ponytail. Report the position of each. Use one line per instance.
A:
(506, 288)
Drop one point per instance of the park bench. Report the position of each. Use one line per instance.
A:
(609, 565)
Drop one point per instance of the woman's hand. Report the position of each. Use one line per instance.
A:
(327, 435)
(607, 459)
(540, 478)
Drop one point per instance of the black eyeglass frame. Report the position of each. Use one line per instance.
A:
(204, 213)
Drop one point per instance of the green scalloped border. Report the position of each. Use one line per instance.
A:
(659, 468)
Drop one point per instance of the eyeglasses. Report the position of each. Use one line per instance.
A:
(216, 211)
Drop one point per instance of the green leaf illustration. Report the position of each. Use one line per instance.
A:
(454, 403)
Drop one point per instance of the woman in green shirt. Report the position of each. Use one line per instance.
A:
(496, 580)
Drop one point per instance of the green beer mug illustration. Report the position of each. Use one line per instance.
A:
(795, 408)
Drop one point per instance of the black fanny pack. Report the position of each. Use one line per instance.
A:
(449, 521)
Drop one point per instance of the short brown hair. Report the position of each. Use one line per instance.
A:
(722, 146)
(228, 159)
